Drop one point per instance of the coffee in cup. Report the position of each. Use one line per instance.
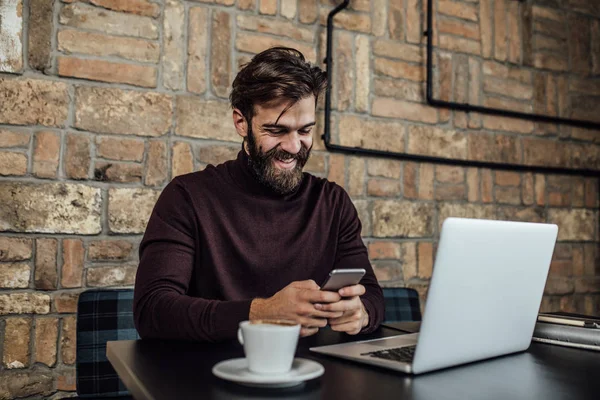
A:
(269, 345)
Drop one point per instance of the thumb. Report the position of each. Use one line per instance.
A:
(308, 284)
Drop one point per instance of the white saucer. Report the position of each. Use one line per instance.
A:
(236, 370)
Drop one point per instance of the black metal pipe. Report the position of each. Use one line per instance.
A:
(420, 158)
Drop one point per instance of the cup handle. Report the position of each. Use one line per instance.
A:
(240, 336)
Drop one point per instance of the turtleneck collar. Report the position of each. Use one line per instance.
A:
(242, 174)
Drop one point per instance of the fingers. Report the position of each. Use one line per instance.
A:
(347, 317)
(308, 331)
(352, 303)
(351, 328)
(308, 284)
(312, 322)
(321, 296)
(351, 291)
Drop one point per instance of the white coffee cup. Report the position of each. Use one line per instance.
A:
(270, 345)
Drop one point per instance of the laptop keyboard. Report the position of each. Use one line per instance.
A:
(402, 354)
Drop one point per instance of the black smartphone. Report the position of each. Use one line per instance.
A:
(339, 278)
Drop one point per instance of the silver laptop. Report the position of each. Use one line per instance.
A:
(483, 300)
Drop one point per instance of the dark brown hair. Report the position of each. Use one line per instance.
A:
(276, 73)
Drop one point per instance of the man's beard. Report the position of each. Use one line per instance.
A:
(280, 180)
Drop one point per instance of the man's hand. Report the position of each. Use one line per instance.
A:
(354, 317)
(298, 302)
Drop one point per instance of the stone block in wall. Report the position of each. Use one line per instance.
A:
(255, 43)
(68, 340)
(275, 27)
(77, 159)
(117, 275)
(156, 164)
(384, 250)
(138, 7)
(14, 139)
(24, 303)
(99, 44)
(574, 224)
(34, 381)
(14, 275)
(33, 102)
(119, 149)
(13, 163)
(72, 267)
(437, 142)
(109, 250)
(108, 71)
(130, 209)
(46, 154)
(65, 301)
(51, 208)
(46, 270)
(46, 338)
(220, 53)
(40, 34)
(11, 36)
(461, 210)
(197, 49)
(205, 119)
(119, 172)
(182, 159)
(383, 187)
(17, 333)
(173, 45)
(111, 110)
(373, 134)
(15, 249)
(85, 16)
(402, 219)
(269, 7)
(217, 154)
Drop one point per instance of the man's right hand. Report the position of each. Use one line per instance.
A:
(296, 302)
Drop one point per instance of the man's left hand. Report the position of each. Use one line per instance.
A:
(354, 317)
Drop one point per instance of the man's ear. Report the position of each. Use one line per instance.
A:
(240, 123)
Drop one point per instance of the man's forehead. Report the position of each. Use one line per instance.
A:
(278, 111)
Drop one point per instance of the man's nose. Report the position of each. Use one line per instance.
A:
(291, 143)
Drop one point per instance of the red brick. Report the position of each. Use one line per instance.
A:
(66, 302)
(12, 163)
(486, 186)
(356, 176)
(399, 69)
(558, 199)
(486, 27)
(156, 164)
(396, 19)
(579, 44)
(382, 250)
(76, 162)
(217, 154)
(40, 33)
(410, 172)
(307, 12)
(401, 51)
(540, 189)
(46, 337)
(336, 169)
(426, 182)
(15, 249)
(14, 139)
(458, 10)
(459, 28)
(391, 108)
(383, 188)
(595, 47)
(472, 184)
(17, 332)
(414, 32)
(345, 71)
(197, 49)
(514, 40)
(409, 260)
(46, 269)
(72, 268)
(119, 149)
(111, 276)
(46, 154)
(385, 168)
(458, 44)
(97, 44)
(559, 286)
(425, 268)
(437, 142)
(450, 192)
(107, 71)
(358, 22)
(255, 43)
(68, 340)
(549, 61)
(269, 7)
(66, 380)
(139, 7)
(508, 194)
(182, 159)
(527, 193)
(118, 172)
(275, 27)
(221, 53)
(506, 178)
(449, 174)
(246, 5)
(109, 250)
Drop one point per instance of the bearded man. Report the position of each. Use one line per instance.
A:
(253, 238)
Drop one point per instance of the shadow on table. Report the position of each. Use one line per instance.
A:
(306, 391)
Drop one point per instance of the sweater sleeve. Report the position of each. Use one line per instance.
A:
(352, 253)
(162, 309)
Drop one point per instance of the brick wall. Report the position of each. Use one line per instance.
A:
(103, 102)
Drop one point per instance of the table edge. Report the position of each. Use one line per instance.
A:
(134, 385)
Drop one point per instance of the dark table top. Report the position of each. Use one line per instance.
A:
(179, 370)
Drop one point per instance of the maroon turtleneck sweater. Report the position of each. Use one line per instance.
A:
(218, 238)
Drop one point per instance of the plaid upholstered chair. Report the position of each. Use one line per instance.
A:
(401, 305)
(102, 315)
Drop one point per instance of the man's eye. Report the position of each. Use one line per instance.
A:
(305, 131)
(276, 131)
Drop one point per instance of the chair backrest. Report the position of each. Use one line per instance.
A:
(401, 304)
(102, 315)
